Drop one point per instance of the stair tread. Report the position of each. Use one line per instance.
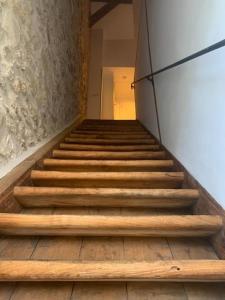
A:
(104, 197)
(85, 225)
(109, 154)
(108, 179)
(108, 175)
(115, 141)
(106, 165)
(168, 270)
(93, 147)
(111, 197)
(109, 136)
(113, 128)
(146, 162)
(150, 193)
(110, 132)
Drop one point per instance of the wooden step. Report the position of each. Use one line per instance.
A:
(108, 179)
(109, 155)
(113, 124)
(110, 136)
(111, 132)
(83, 125)
(104, 197)
(99, 121)
(113, 128)
(86, 147)
(110, 141)
(107, 121)
(107, 165)
(119, 125)
(159, 270)
(76, 225)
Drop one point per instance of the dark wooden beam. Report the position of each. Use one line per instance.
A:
(99, 14)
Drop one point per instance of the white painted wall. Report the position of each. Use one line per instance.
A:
(191, 97)
(107, 95)
(95, 75)
(145, 107)
(119, 53)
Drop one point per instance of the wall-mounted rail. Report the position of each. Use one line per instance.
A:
(182, 61)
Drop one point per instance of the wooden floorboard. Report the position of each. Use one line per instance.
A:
(196, 249)
(99, 291)
(156, 291)
(42, 291)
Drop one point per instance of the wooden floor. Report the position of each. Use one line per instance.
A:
(110, 249)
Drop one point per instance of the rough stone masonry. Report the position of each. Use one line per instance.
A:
(43, 70)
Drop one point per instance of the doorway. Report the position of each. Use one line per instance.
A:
(117, 99)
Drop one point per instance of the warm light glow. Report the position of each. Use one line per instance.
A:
(123, 95)
(124, 105)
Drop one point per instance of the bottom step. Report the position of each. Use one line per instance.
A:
(180, 270)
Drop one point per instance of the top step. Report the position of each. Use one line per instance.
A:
(113, 128)
(109, 121)
(110, 136)
(111, 132)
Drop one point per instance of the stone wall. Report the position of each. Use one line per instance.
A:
(43, 70)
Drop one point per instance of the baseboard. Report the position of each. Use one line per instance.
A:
(20, 175)
(206, 205)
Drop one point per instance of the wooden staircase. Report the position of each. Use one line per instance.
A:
(108, 205)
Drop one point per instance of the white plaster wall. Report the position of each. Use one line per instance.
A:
(40, 67)
(145, 107)
(191, 97)
(95, 75)
(119, 53)
(107, 95)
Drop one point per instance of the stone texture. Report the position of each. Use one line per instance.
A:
(43, 70)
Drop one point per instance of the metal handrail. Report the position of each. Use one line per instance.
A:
(182, 61)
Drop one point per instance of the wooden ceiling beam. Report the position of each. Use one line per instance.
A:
(99, 14)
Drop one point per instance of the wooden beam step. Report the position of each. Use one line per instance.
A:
(86, 147)
(110, 136)
(104, 197)
(167, 270)
(80, 225)
(108, 121)
(107, 165)
(111, 132)
(101, 124)
(131, 155)
(110, 141)
(113, 128)
(115, 125)
(108, 179)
